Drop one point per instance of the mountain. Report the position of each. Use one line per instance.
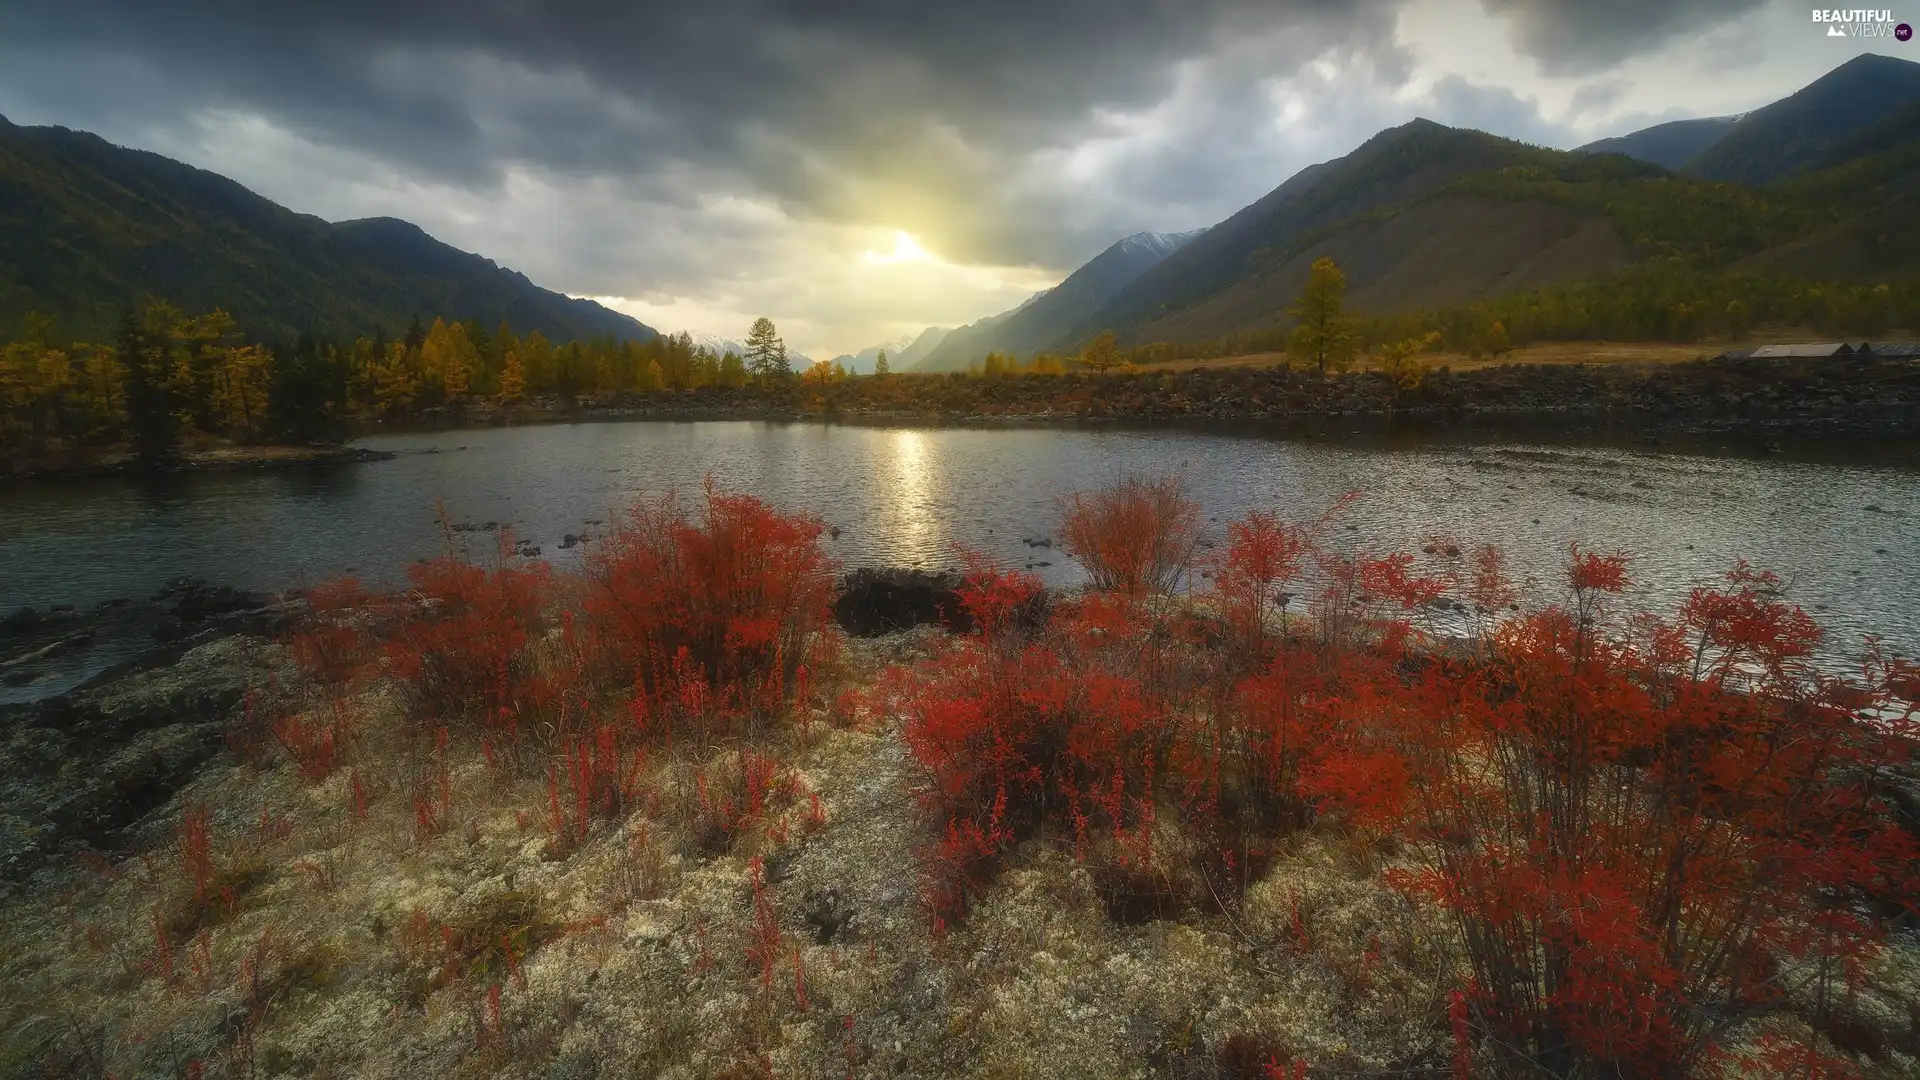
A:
(929, 340)
(88, 228)
(861, 363)
(1387, 213)
(1043, 316)
(1868, 178)
(1668, 145)
(1803, 129)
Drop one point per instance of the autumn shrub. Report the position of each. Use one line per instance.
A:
(597, 777)
(462, 651)
(711, 613)
(1133, 537)
(1020, 728)
(332, 641)
(1646, 831)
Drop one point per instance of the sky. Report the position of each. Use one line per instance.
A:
(856, 170)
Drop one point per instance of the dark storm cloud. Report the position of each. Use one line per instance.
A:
(1571, 37)
(880, 110)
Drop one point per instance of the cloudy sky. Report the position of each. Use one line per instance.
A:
(855, 169)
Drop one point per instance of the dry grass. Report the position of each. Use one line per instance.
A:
(357, 948)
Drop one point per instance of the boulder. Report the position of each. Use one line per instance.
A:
(883, 600)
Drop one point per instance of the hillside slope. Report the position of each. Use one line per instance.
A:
(88, 228)
(1061, 308)
(1669, 145)
(1242, 273)
(1801, 130)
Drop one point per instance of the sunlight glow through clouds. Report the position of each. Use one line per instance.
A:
(905, 249)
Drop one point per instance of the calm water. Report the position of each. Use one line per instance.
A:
(1837, 522)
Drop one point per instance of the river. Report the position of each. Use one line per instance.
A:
(1835, 520)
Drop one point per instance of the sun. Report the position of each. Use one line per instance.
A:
(905, 249)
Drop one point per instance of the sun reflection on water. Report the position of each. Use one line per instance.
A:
(911, 521)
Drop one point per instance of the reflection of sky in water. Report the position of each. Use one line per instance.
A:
(1840, 531)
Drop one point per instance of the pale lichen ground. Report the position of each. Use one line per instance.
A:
(329, 960)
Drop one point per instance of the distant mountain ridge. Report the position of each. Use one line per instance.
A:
(1669, 145)
(88, 229)
(1033, 324)
(1794, 133)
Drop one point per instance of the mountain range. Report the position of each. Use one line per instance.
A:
(1425, 216)
(89, 229)
(1420, 217)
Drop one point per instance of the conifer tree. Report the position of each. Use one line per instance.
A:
(766, 351)
(1323, 335)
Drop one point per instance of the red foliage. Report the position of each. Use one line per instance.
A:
(764, 946)
(196, 848)
(1643, 814)
(1627, 817)
(602, 779)
(1010, 731)
(708, 613)
(314, 746)
(332, 642)
(462, 650)
(1133, 537)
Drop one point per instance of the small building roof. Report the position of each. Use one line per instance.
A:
(1891, 349)
(1784, 352)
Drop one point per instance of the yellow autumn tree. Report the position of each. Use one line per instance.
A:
(103, 391)
(513, 378)
(1324, 336)
(1401, 360)
(394, 382)
(240, 395)
(1102, 353)
(652, 379)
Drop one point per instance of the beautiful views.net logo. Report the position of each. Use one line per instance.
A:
(1861, 22)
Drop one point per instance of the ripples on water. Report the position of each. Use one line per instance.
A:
(1836, 523)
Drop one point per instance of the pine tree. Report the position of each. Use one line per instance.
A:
(1323, 335)
(880, 368)
(152, 417)
(766, 352)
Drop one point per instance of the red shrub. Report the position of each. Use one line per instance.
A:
(1642, 814)
(314, 745)
(601, 779)
(1012, 733)
(332, 641)
(715, 612)
(462, 653)
(196, 848)
(1134, 537)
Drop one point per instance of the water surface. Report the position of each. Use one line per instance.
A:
(1835, 520)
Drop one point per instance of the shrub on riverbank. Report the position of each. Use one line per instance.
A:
(517, 816)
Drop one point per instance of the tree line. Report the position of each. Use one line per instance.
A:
(168, 379)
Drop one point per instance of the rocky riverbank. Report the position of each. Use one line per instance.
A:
(219, 459)
(1850, 396)
(79, 769)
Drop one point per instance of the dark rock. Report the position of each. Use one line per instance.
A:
(77, 771)
(20, 623)
(875, 601)
(826, 914)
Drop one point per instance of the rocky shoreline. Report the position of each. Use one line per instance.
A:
(233, 459)
(1864, 397)
(80, 770)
